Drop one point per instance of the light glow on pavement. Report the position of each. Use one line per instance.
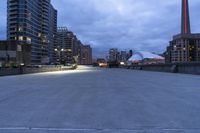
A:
(81, 69)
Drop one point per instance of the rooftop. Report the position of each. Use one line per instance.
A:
(94, 100)
(187, 36)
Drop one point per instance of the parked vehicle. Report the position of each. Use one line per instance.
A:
(112, 64)
(103, 65)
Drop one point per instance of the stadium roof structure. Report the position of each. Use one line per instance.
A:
(141, 55)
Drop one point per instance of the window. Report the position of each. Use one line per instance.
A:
(21, 38)
(28, 39)
(39, 34)
(20, 29)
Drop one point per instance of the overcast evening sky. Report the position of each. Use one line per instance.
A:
(125, 24)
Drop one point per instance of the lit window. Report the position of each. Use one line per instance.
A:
(44, 40)
(69, 50)
(21, 38)
(20, 29)
(28, 39)
(39, 34)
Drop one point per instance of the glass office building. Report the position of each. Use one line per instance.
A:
(35, 22)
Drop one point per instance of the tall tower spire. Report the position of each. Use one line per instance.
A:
(185, 22)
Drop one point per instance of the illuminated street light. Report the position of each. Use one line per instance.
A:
(59, 52)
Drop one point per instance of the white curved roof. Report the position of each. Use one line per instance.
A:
(141, 55)
(136, 58)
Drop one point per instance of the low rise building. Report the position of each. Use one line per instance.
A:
(14, 53)
(184, 48)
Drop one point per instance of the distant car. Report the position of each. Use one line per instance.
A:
(95, 64)
(103, 65)
(37, 66)
(68, 64)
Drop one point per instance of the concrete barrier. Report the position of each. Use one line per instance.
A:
(9, 71)
(187, 68)
(27, 70)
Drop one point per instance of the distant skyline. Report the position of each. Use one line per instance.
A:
(126, 24)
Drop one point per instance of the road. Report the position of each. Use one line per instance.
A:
(95, 100)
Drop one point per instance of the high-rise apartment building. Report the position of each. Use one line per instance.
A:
(185, 47)
(114, 55)
(70, 49)
(52, 34)
(123, 56)
(86, 55)
(65, 43)
(35, 22)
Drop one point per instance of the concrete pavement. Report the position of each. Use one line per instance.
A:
(94, 100)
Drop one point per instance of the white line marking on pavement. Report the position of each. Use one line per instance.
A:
(96, 129)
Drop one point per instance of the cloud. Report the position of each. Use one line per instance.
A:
(125, 24)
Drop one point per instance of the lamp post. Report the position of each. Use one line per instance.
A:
(59, 52)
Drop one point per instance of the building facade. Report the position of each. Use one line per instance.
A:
(52, 34)
(14, 53)
(34, 22)
(70, 49)
(123, 56)
(185, 47)
(86, 55)
(66, 46)
(114, 55)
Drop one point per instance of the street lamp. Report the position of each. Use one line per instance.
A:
(59, 51)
